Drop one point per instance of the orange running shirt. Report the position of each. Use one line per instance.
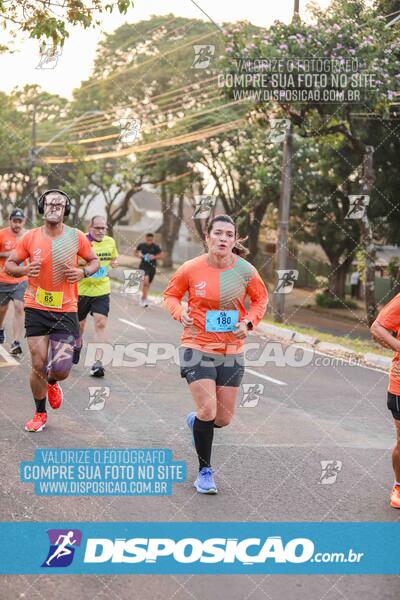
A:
(8, 241)
(50, 290)
(210, 288)
(389, 318)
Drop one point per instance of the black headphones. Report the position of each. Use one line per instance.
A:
(40, 204)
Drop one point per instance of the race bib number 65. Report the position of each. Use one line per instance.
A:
(49, 299)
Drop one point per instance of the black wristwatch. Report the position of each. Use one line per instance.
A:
(85, 273)
(249, 325)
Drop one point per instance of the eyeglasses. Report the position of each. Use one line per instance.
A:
(55, 206)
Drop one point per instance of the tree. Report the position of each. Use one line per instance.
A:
(45, 19)
(343, 31)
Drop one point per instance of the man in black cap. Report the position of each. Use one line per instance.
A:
(10, 287)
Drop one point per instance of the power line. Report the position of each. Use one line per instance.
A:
(145, 62)
(200, 134)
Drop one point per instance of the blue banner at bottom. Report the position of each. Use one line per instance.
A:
(200, 548)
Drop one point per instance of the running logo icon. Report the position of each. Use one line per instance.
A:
(49, 56)
(329, 471)
(278, 130)
(130, 129)
(204, 205)
(203, 54)
(357, 206)
(132, 281)
(286, 280)
(251, 394)
(97, 397)
(63, 543)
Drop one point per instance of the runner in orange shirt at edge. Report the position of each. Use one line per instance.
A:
(11, 288)
(51, 300)
(216, 323)
(386, 323)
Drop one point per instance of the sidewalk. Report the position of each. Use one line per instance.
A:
(301, 310)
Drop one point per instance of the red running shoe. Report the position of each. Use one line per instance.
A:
(37, 423)
(54, 395)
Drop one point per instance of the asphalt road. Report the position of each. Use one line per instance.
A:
(267, 462)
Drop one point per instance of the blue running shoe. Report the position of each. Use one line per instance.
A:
(190, 422)
(205, 483)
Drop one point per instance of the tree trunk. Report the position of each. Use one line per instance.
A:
(171, 224)
(367, 240)
(254, 229)
(337, 279)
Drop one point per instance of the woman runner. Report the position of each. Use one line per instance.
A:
(216, 324)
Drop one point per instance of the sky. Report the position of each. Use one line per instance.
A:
(76, 60)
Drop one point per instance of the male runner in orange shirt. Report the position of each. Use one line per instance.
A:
(10, 287)
(388, 321)
(51, 299)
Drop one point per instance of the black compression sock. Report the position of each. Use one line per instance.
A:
(203, 432)
(41, 405)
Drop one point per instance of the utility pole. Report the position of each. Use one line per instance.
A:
(283, 222)
(284, 206)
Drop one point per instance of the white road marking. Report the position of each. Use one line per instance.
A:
(277, 381)
(10, 360)
(132, 324)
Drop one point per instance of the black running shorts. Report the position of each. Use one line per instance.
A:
(148, 270)
(225, 369)
(93, 304)
(393, 404)
(46, 322)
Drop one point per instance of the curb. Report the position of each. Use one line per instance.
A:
(369, 358)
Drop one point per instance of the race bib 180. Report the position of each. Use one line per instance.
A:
(221, 320)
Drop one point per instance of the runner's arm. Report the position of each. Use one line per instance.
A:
(258, 295)
(177, 287)
(74, 274)
(388, 320)
(159, 254)
(139, 253)
(92, 262)
(114, 260)
(17, 256)
(384, 337)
